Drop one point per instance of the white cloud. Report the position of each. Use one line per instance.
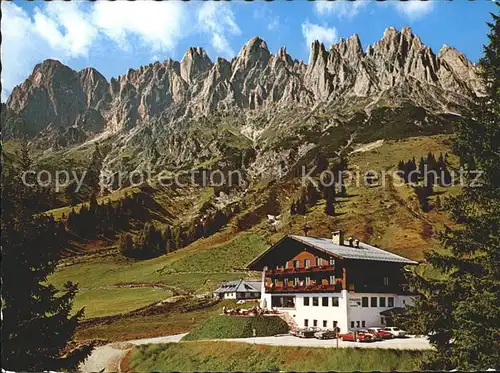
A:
(217, 19)
(57, 33)
(339, 8)
(274, 23)
(67, 27)
(265, 15)
(69, 30)
(414, 9)
(324, 34)
(159, 25)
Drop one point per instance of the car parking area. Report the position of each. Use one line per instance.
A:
(408, 343)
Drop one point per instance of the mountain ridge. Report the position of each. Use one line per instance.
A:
(397, 68)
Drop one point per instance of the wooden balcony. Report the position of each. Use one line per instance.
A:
(299, 270)
(317, 288)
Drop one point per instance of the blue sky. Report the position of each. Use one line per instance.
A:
(116, 36)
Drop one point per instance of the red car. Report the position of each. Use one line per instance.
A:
(356, 337)
(379, 332)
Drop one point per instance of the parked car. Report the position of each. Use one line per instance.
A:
(356, 337)
(395, 331)
(374, 334)
(325, 334)
(381, 333)
(305, 333)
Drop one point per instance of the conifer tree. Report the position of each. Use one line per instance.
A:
(301, 204)
(330, 201)
(94, 169)
(126, 244)
(312, 195)
(421, 167)
(461, 311)
(37, 319)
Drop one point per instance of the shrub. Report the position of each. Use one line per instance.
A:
(222, 326)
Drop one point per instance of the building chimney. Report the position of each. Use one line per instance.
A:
(350, 239)
(356, 243)
(338, 237)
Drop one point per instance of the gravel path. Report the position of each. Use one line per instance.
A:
(417, 343)
(107, 358)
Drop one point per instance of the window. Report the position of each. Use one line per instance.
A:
(283, 301)
(315, 301)
(319, 262)
(295, 264)
(373, 302)
(363, 324)
(306, 323)
(335, 301)
(382, 321)
(325, 323)
(335, 323)
(324, 301)
(352, 324)
(285, 282)
(306, 301)
(308, 281)
(332, 280)
(390, 302)
(332, 261)
(386, 281)
(364, 302)
(381, 302)
(307, 263)
(287, 265)
(357, 324)
(315, 322)
(296, 281)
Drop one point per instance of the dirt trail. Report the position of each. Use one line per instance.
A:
(108, 358)
(361, 148)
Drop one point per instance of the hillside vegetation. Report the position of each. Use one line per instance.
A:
(226, 356)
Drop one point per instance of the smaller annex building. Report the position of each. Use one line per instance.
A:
(239, 289)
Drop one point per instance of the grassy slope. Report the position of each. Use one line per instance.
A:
(149, 326)
(387, 216)
(115, 269)
(225, 356)
(233, 255)
(222, 326)
(104, 302)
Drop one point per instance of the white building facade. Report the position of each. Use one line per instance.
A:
(347, 311)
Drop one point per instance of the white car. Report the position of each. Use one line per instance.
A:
(395, 331)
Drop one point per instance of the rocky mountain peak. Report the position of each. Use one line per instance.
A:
(195, 64)
(317, 50)
(284, 56)
(94, 86)
(351, 48)
(255, 51)
(398, 67)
